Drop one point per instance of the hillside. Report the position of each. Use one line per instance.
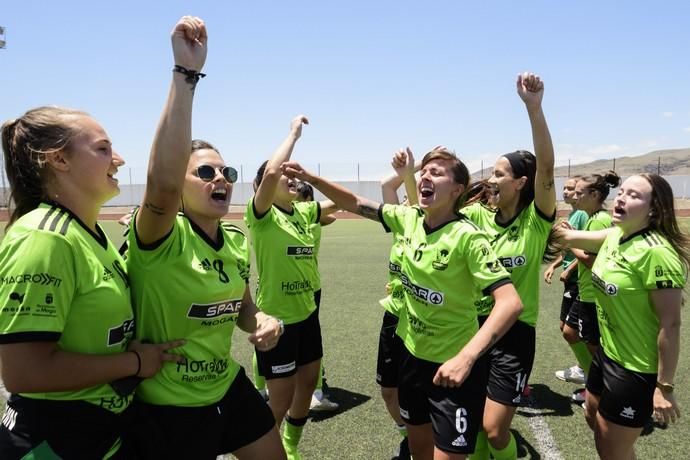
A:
(673, 162)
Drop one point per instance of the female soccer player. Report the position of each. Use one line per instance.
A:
(639, 275)
(581, 323)
(518, 228)
(189, 278)
(442, 376)
(284, 242)
(66, 322)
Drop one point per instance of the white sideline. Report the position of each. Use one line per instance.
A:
(546, 445)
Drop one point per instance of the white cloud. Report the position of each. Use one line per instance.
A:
(687, 130)
(667, 114)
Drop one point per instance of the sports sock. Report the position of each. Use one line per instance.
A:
(509, 452)
(582, 354)
(481, 448)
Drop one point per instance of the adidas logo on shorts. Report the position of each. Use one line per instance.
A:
(459, 441)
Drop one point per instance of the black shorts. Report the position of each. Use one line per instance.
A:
(390, 345)
(583, 318)
(455, 413)
(626, 397)
(300, 344)
(58, 429)
(166, 432)
(510, 364)
(570, 291)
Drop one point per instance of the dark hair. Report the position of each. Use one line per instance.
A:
(259, 175)
(523, 164)
(26, 142)
(198, 144)
(478, 192)
(305, 191)
(461, 175)
(662, 216)
(602, 183)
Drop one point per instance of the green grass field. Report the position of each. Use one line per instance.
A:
(353, 263)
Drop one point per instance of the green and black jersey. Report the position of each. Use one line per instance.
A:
(598, 221)
(393, 301)
(577, 219)
(189, 287)
(520, 246)
(624, 273)
(443, 271)
(61, 282)
(285, 248)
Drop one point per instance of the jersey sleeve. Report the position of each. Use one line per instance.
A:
(538, 221)
(482, 262)
(159, 252)
(661, 268)
(598, 223)
(393, 217)
(37, 289)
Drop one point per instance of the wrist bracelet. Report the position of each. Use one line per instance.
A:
(136, 374)
(665, 387)
(192, 76)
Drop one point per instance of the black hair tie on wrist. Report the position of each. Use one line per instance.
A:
(136, 374)
(192, 76)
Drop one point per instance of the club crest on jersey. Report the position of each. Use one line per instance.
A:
(441, 262)
(513, 235)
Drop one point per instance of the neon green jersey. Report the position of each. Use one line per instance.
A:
(284, 245)
(394, 301)
(316, 230)
(577, 219)
(520, 246)
(624, 273)
(443, 270)
(188, 287)
(597, 221)
(61, 282)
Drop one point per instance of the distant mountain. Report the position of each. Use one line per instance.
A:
(673, 162)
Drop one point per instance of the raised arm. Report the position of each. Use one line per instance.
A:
(531, 91)
(405, 168)
(588, 241)
(263, 199)
(342, 197)
(172, 143)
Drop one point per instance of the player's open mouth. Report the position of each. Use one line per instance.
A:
(219, 194)
(619, 211)
(426, 191)
(292, 186)
(112, 177)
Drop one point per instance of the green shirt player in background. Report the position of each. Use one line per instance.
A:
(442, 376)
(189, 278)
(638, 276)
(581, 325)
(284, 242)
(568, 262)
(66, 319)
(518, 228)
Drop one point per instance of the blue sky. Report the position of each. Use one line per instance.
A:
(372, 76)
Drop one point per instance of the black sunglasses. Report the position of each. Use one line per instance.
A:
(207, 173)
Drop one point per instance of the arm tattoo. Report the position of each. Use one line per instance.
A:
(369, 209)
(548, 185)
(154, 209)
